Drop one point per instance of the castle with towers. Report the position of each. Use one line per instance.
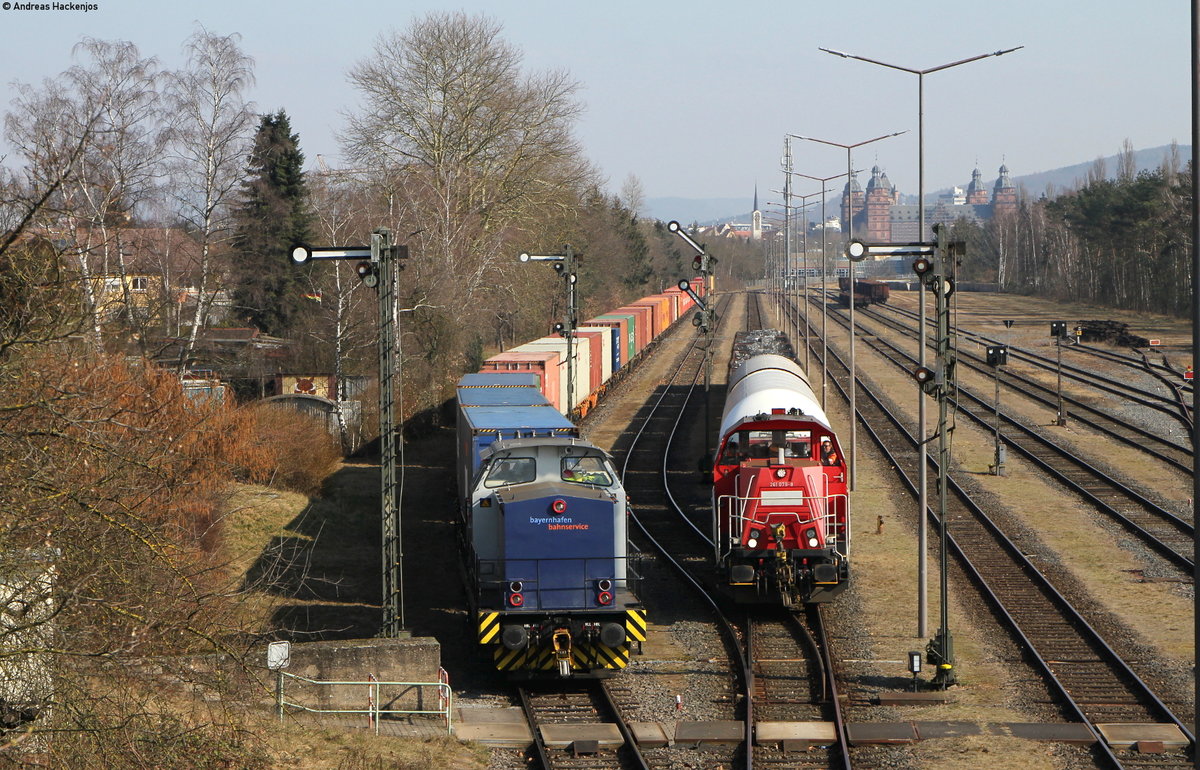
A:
(880, 217)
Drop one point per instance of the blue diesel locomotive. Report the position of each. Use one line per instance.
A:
(551, 586)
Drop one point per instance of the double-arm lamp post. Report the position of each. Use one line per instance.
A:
(849, 237)
(922, 426)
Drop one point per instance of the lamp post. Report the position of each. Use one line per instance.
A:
(788, 217)
(922, 426)
(824, 270)
(850, 236)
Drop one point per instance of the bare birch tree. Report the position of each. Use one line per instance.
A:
(108, 106)
(209, 139)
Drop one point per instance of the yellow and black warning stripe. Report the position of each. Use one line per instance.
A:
(584, 657)
(635, 625)
(489, 626)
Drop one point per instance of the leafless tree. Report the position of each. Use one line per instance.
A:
(108, 106)
(1126, 162)
(209, 139)
(480, 152)
(633, 195)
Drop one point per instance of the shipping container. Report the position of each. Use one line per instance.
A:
(581, 367)
(660, 315)
(615, 341)
(628, 324)
(602, 351)
(642, 323)
(500, 380)
(479, 426)
(544, 364)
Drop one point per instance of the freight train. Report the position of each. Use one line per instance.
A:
(552, 589)
(867, 291)
(551, 579)
(603, 349)
(780, 506)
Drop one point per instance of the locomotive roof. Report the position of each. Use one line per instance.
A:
(522, 443)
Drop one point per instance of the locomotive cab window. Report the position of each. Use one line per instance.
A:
(510, 470)
(586, 470)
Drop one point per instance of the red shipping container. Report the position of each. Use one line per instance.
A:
(596, 360)
(545, 364)
(622, 324)
(644, 332)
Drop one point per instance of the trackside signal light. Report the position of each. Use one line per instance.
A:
(367, 274)
(922, 265)
(923, 375)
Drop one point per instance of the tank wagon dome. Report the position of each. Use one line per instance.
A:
(766, 383)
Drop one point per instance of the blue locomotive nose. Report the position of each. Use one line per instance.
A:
(559, 547)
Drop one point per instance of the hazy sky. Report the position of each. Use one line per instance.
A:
(694, 98)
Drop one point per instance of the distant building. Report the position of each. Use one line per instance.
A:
(751, 231)
(879, 217)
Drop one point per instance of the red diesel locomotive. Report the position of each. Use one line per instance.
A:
(780, 523)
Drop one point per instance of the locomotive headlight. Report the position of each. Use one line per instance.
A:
(752, 541)
(559, 506)
(780, 473)
(810, 536)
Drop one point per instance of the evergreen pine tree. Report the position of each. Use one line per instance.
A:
(274, 214)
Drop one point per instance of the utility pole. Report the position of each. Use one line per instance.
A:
(378, 267)
(564, 264)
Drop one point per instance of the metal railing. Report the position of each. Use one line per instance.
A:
(374, 710)
(821, 511)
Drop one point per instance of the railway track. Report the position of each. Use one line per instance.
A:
(1167, 449)
(1124, 389)
(1090, 680)
(794, 679)
(556, 710)
(1161, 530)
(808, 677)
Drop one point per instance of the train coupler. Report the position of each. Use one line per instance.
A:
(562, 651)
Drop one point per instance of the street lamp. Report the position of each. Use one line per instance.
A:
(789, 217)
(850, 237)
(922, 472)
(824, 272)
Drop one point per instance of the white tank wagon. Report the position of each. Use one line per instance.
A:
(765, 383)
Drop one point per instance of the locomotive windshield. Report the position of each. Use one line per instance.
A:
(586, 470)
(763, 443)
(511, 470)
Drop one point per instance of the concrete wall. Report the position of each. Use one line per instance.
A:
(389, 660)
